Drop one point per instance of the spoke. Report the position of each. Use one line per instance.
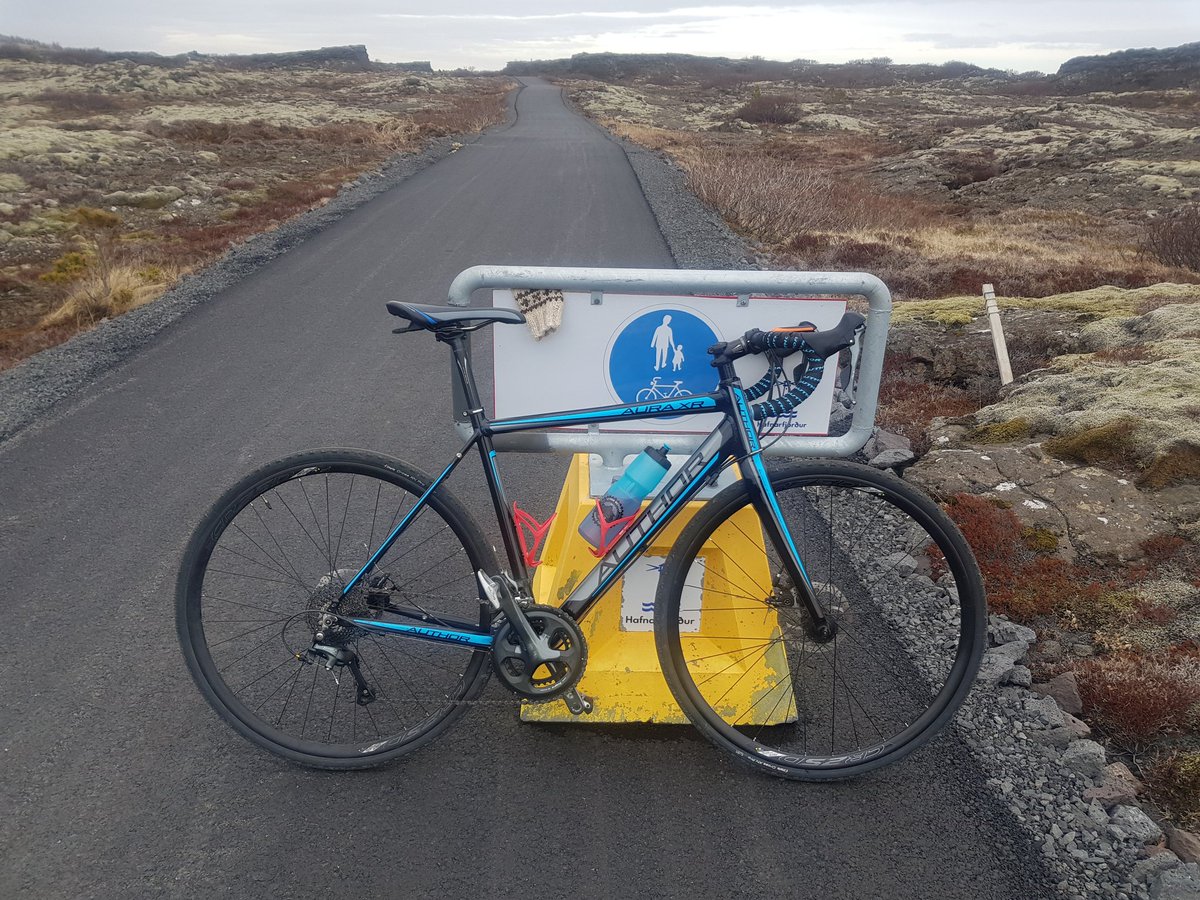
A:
(342, 529)
(285, 681)
(374, 515)
(312, 690)
(313, 513)
(303, 528)
(243, 634)
(399, 674)
(440, 562)
(263, 643)
(235, 602)
(278, 566)
(737, 680)
(736, 662)
(265, 674)
(251, 559)
(275, 541)
(291, 690)
(337, 690)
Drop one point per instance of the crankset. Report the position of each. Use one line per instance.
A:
(524, 670)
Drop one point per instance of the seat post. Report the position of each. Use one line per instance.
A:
(466, 393)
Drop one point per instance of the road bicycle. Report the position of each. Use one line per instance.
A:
(340, 608)
(657, 391)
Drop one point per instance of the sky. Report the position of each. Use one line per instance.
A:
(1007, 34)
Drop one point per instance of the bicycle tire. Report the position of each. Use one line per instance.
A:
(266, 532)
(874, 593)
(645, 395)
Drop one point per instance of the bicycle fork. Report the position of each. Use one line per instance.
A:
(821, 628)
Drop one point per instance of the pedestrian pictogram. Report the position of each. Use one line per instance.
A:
(659, 354)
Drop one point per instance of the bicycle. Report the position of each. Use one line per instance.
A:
(340, 608)
(658, 392)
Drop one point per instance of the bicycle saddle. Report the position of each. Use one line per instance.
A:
(437, 318)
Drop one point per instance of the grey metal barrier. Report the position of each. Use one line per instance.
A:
(681, 282)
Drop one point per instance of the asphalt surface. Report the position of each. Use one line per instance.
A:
(117, 779)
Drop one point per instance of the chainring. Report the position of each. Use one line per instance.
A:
(546, 681)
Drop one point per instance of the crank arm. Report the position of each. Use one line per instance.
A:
(501, 598)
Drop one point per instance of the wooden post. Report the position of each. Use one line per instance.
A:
(998, 343)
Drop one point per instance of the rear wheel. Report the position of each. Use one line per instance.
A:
(262, 584)
(896, 579)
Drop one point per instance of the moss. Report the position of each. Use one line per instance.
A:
(1112, 443)
(1040, 540)
(1000, 432)
(1101, 303)
(1105, 610)
(1177, 465)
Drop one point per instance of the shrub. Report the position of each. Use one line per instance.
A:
(768, 109)
(79, 102)
(1174, 238)
(1162, 548)
(1140, 698)
(1022, 581)
(907, 405)
(1174, 782)
(68, 267)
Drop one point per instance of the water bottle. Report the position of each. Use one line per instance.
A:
(626, 495)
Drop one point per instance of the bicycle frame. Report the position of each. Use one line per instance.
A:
(733, 438)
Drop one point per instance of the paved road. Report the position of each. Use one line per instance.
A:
(115, 777)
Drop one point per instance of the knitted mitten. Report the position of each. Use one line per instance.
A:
(543, 311)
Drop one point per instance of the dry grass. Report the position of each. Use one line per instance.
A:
(1174, 782)
(98, 296)
(777, 200)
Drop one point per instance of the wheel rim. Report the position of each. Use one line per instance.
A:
(274, 559)
(905, 643)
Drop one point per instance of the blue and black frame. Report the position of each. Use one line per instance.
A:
(734, 438)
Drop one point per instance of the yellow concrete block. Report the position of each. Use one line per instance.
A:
(622, 675)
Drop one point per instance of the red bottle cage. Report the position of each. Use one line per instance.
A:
(616, 528)
(537, 532)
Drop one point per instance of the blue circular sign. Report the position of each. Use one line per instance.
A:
(662, 355)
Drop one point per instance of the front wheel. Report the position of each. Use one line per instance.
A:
(893, 574)
(261, 608)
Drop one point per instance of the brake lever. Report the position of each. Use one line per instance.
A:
(851, 387)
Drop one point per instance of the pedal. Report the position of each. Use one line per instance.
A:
(577, 703)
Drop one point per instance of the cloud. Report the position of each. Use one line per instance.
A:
(1023, 34)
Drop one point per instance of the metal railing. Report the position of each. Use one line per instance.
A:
(680, 282)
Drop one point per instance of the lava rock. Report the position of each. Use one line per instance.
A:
(1085, 757)
(1179, 883)
(1065, 690)
(1136, 824)
(999, 661)
(1117, 786)
(1184, 844)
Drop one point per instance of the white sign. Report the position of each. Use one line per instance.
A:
(638, 349)
(639, 586)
